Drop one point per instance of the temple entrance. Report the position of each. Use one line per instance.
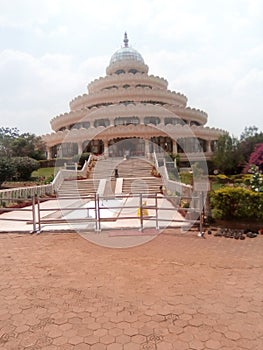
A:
(126, 147)
(94, 146)
(165, 143)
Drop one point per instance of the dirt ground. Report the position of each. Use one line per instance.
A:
(59, 291)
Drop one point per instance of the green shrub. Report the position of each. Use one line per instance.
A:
(24, 167)
(246, 179)
(49, 179)
(222, 179)
(236, 203)
(7, 169)
(186, 178)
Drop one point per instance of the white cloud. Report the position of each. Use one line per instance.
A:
(211, 51)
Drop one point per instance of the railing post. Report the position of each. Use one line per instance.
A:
(201, 206)
(97, 212)
(141, 213)
(38, 214)
(156, 212)
(34, 214)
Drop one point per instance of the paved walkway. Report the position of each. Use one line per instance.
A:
(75, 218)
(181, 292)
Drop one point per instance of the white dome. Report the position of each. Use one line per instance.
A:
(126, 53)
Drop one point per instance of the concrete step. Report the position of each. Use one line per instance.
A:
(141, 185)
(136, 173)
(81, 187)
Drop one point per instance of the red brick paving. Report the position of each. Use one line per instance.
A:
(59, 291)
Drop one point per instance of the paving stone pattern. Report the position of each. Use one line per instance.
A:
(59, 291)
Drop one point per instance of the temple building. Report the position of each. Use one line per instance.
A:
(130, 112)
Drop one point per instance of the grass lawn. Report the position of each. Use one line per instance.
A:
(44, 172)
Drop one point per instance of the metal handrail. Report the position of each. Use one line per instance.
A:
(37, 221)
(98, 209)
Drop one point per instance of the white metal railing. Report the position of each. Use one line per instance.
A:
(137, 214)
(29, 207)
(136, 207)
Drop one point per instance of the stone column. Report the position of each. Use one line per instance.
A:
(175, 150)
(80, 148)
(49, 153)
(147, 148)
(106, 148)
(208, 146)
(59, 151)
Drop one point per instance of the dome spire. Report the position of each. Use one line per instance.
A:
(126, 40)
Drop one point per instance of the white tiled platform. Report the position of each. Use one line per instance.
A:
(57, 215)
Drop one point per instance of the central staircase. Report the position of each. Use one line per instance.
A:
(135, 174)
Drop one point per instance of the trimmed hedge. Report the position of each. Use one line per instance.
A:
(236, 203)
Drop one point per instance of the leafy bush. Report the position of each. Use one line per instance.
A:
(256, 181)
(186, 178)
(24, 166)
(236, 203)
(7, 170)
(49, 179)
(222, 179)
(242, 179)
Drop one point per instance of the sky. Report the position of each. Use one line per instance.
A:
(209, 50)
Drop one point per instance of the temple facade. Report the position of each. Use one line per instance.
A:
(129, 112)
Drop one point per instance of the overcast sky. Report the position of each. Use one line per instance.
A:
(209, 50)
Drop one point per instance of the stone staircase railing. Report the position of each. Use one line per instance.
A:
(42, 190)
(25, 192)
(172, 187)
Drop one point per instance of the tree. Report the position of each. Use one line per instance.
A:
(227, 157)
(7, 135)
(256, 157)
(7, 170)
(248, 140)
(14, 144)
(29, 145)
(249, 131)
(24, 167)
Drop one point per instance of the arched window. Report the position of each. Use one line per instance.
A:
(194, 123)
(76, 126)
(120, 71)
(133, 71)
(143, 86)
(86, 125)
(126, 103)
(101, 122)
(126, 121)
(173, 121)
(110, 87)
(151, 120)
